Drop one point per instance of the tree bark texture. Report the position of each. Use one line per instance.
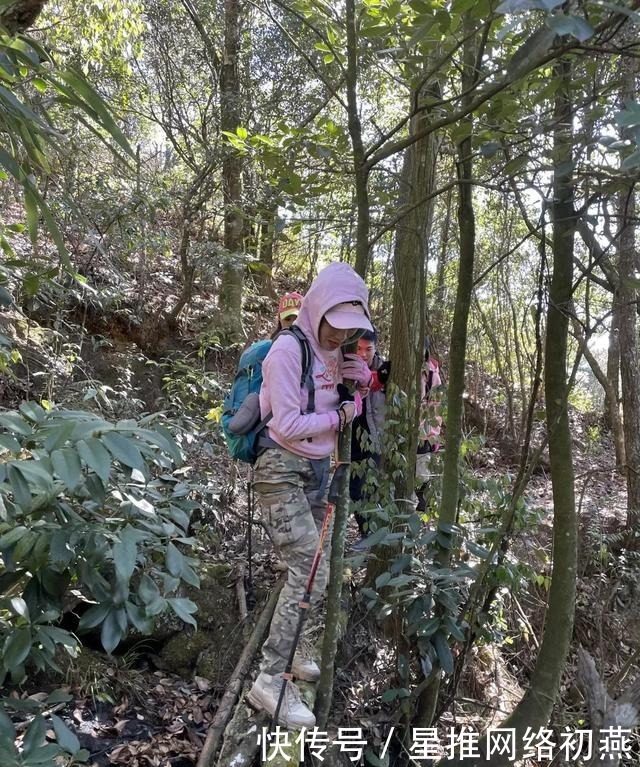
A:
(361, 174)
(230, 111)
(628, 294)
(407, 325)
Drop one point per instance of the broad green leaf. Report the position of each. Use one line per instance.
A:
(19, 607)
(9, 443)
(125, 553)
(67, 466)
(112, 632)
(175, 560)
(383, 579)
(57, 435)
(183, 608)
(16, 648)
(148, 590)
(33, 412)
(11, 537)
(93, 617)
(123, 449)
(35, 735)
(13, 422)
(96, 456)
(6, 727)
(19, 487)
(45, 756)
(445, 657)
(66, 739)
(138, 617)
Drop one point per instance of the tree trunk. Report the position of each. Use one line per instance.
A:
(535, 707)
(361, 174)
(407, 324)
(230, 299)
(628, 262)
(630, 375)
(612, 400)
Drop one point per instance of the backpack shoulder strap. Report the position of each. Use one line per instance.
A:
(306, 377)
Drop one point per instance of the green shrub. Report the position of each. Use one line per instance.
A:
(89, 512)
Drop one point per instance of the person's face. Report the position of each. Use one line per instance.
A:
(331, 338)
(366, 350)
(287, 322)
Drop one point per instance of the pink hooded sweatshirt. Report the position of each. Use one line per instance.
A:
(312, 435)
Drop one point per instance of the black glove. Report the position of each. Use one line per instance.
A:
(344, 393)
(384, 371)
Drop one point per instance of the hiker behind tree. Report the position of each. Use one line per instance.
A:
(288, 309)
(430, 422)
(366, 434)
(291, 474)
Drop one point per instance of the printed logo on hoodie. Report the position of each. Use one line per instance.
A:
(328, 375)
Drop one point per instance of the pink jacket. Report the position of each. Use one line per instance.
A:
(312, 435)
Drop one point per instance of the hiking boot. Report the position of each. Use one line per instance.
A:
(305, 668)
(293, 713)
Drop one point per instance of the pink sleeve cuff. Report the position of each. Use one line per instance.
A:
(334, 418)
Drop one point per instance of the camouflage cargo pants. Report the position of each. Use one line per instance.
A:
(286, 486)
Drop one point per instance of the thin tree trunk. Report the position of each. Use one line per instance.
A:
(629, 358)
(361, 173)
(230, 299)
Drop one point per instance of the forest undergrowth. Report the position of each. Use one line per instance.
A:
(150, 703)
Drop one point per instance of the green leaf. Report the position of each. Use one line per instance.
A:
(6, 299)
(112, 632)
(66, 739)
(96, 456)
(123, 449)
(9, 443)
(35, 735)
(45, 756)
(13, 422)
(125, 553)
(19, 607)
(575, 26)
(428, 627)
(242, 132)
(445, 657)
(383, 579)
(93, 617)
(33, 411)
(148, 590)
(374, 760)
(16, 648)
(58, 696)
(6, 727)
(19, 487)
(174, 559)
(58, 435)
(11, 537)
(67, 466)
(83, 94)
(183, 608)
(139, 618)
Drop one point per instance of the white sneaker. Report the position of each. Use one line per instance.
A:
(293, 713)
(305, 668)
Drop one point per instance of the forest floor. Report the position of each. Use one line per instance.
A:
(150, 706)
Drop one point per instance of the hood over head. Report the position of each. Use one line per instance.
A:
(341, 292)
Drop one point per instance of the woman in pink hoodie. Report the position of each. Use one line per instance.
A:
(292, 470)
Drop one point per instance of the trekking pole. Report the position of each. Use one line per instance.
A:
(305, 603)
(251, 597)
